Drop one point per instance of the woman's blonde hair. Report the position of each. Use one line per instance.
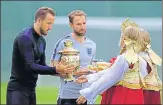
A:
(131, 34)
(144, 39)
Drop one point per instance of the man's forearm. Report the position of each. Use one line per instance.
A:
(40, 69)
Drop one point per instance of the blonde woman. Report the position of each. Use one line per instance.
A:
(107, 95)
(124, 75)
(152, 80)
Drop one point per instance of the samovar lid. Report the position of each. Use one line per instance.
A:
(68, 48)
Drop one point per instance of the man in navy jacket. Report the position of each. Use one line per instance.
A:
(28, 60)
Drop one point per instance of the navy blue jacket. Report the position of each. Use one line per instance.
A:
(28, 60)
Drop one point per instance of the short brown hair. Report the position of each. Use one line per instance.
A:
(42, 12)
(75, 13)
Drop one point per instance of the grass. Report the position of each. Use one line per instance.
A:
(45, 95)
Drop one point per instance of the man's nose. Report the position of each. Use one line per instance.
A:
(83, 26)
(50, 27)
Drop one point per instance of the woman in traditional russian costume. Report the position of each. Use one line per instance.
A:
(124, 75)
(106, 96)
(152, 80)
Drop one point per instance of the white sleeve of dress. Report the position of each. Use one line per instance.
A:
(93, 77)
(112, 75)
(143, 67)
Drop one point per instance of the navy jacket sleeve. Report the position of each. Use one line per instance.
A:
(27, 52)
(42, 61)
(43, 57)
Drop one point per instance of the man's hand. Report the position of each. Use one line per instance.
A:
(82, 79)
(62, 68)
(81, 100)
(53, 63)
(84, 71)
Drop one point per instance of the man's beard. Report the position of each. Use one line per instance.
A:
(79, 34)
(42, 31)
